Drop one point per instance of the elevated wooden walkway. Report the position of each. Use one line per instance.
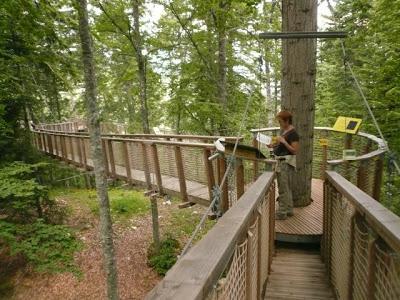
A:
(298, 274)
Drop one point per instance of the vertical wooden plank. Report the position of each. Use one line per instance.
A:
(224, 205)
(127, 162)
(181, 174)
(146, 166)
(112, 160)
(107, 167)
(239, 178)
(378, 178)
(255, 163)
(157, 169)
(84, 155)
(209, 172)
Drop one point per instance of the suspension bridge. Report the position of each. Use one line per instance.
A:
(238, 258)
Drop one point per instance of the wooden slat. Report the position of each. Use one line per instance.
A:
(298, 275)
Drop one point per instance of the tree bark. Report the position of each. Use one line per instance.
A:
(141, 61)
(220, 24)
(106, 232)
(298, 88)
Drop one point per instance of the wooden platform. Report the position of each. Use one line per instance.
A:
(306, 224)
(298, 274)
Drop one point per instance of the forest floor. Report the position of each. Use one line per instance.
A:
(132, 237)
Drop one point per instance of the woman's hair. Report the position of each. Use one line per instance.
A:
(285, 116)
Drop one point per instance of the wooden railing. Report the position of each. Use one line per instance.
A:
(155, 160)
(360, 244)
(233, 260)
(365, 171)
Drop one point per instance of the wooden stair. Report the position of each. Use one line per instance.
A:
(298, 274)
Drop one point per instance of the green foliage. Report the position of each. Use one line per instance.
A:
(166, 257)
(21, 196)
(48, 248)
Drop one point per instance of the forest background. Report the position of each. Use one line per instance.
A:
(188, 65)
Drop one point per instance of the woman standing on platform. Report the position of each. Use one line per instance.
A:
(285, 149)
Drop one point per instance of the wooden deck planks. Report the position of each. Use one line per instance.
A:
(306, 220)
(298, 274)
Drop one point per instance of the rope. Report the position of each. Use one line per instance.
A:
(367, 104)
(63, 179)
(217, 195)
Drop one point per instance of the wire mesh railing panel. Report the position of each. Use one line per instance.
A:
(234, 284)
(360, 263)
(342, 212)
(119, 158)
(166, 156)
(194, 164)
(387, 274)
(136, 156)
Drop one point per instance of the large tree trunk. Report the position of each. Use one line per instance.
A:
(106, 232)
(141, 61)
(298, 88)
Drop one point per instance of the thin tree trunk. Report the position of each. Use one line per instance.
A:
(220, 22)
(141, 61)
(298, 88)
(106, 232)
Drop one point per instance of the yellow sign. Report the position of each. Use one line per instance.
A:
(323, 142)
(347, 125)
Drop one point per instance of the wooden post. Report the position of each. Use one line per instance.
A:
(50, 144)
(209, 172)
(271, 219)
(79, 147)
(255, 163)
(112, 160)
(127, 162)
(85, 161)
(154, 215)
(181, 174)
(371, 268)
(354, 219)
(107, 168)
(249, 274)
(146, 167)
(224, 205)
(239, 178)
(259, 250)
(64, 147)
(376, 194)
(324, 160)
(71, 144)
(348, 141)
(40, 145)
(157, 169)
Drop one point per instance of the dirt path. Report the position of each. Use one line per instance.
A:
(135, 277)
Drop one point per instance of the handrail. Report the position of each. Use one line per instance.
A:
(382, 220)
(161, 136)
(194, 275)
